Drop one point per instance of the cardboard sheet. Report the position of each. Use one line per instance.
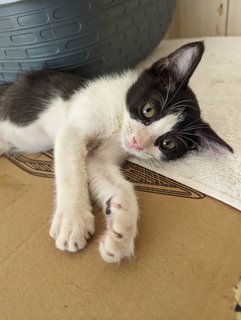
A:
(187, 254)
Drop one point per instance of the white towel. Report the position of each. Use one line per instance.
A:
(217, 85)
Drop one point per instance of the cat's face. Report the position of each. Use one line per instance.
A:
(162, 117)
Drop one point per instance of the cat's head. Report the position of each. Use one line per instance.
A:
(162, 119)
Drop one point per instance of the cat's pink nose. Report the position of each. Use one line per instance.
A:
(135, 145)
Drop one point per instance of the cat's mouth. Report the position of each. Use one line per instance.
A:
(134, 145)
(131, 145)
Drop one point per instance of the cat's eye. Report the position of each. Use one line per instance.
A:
(168, 144)
(148, 111)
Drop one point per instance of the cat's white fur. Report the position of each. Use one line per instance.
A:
(91, 134)
(39, 135)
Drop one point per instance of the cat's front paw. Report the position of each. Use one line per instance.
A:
(72, 232)
(118, 241)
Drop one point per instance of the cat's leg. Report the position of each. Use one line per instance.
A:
(4, 147)
(73, 222)
(121, 211)
(119, 202)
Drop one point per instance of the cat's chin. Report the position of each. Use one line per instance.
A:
(138, 154)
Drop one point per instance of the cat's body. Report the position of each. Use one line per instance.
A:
(94, 126)
(31, 131)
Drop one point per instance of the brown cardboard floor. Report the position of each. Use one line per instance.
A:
(187, 259)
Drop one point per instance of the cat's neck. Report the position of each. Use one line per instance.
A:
(104, 101)
(119, 87)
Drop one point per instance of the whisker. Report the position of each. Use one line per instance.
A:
(189, 128)
(168, 90)
(155, 162)
(154, 175)
(185, 78)
(184, 100)
(183, 141)
(149, 171)
(194, 142)
(189, 133)
(181, 105)
(161, 100)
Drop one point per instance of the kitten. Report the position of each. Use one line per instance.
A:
(94, 126)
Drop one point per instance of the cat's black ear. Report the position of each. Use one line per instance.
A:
(182, 62)
(208, 139)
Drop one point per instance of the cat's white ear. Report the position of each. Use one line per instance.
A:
(181, 63)
(208, 139)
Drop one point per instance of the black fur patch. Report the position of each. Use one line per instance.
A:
(108, 210)
(23, 101)
(237, 308)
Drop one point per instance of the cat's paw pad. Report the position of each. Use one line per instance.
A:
(118, 241)
(71, 234)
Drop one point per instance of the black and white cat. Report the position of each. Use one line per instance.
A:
(94, 126)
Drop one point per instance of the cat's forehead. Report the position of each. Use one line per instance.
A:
(145, 86)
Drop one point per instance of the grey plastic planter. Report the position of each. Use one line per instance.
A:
(94, 36)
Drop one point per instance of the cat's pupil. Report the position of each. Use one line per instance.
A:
(168, 144)
(148, 111)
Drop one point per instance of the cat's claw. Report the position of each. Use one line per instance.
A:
(71, 234)
(118, 241)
